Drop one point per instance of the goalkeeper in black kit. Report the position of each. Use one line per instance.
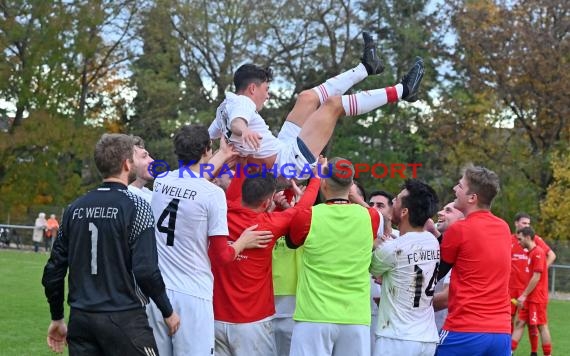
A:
(106, 240)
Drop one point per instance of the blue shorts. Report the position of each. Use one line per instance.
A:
(452, 343)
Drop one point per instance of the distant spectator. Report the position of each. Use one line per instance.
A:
(51, 232)
(4, 237)
(40, 227)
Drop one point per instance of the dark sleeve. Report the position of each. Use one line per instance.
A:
(55, 271)
(145, 258)
(444, 267)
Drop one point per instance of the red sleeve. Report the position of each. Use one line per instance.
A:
(234, 189)
(300, 226)
(540, 243)
(450, 244)
(537, 260)
(375, 219)
(289, 194)
(308, 198)
(219, 251)
(281, 221)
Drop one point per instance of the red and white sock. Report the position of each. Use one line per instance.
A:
(341, 83)
(366, 101)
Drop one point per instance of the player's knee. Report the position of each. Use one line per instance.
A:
(308, 97)
(334, 103)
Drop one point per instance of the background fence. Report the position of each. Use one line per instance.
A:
(20, 237)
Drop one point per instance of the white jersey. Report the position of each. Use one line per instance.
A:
(187, 210)
(408, 266)
(241, 106)
(144, 193)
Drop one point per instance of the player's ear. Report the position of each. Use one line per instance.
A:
(252, 87)
(404, 212)
(128, 165)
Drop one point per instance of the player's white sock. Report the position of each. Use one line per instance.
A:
(366, 101)
(341, 83)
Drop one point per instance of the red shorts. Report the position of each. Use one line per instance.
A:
(533, 313)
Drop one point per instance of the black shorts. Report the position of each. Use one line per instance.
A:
(115, 333)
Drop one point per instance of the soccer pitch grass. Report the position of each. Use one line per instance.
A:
(25, 314)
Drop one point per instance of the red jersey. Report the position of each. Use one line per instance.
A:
(537, 263)
(479, 248)
(519, 262)
(243, 289)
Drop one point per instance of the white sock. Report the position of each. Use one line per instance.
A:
(366, 101)
(341, 83)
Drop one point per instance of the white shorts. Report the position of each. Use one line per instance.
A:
(283, 330)
(246, 339)
(386, 346)
(283, 323)
(291, 163)
(311, 339)
(196, 333)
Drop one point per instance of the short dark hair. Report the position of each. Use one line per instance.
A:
(257, 188)
(421, 201)
(139, 142)
(526, 231)
(339, 173)
(483, 182)
(111, 151)
(361, 189)
(191, 142)
(383, 193)
(251, 73)
(521, 215)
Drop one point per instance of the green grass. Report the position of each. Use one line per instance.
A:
(558, 312)
(24, 312)
(23, 308)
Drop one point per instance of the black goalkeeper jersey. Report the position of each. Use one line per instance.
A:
(107, 240)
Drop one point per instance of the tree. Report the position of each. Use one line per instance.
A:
(158, 80)
(42, 163)
(554, 218)
(519, 51)
(101, 41)
(31, 38)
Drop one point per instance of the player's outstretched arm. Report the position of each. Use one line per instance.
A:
(221, 253)
(222, 156)
(56, 335)
(249, 137)
(550, 257)
(252, 239)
